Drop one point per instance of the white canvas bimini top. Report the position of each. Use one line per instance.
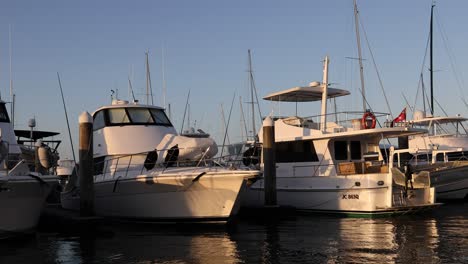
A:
(304, 94)
(439, 120)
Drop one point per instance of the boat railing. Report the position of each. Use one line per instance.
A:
(160, 160)
(345, 119)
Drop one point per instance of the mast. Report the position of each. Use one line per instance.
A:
(361, 68)
(149, 90)
(11, 83)
(251, 95)
(163, 77)
(323, 119)
(431, 62)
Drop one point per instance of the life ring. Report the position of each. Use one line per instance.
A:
(364, 123)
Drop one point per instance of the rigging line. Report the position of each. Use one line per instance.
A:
(227, 125)
(464, 101)
(375, 67)
(406, 101)
(243, 123)
(252, 78)
(458, 80)
(422, 68)
(66, 117)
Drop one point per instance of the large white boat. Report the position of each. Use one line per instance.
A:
(337, 166)
(145, 171)
(22, 192)
(447, 138)
(447, 169)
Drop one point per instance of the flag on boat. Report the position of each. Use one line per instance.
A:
(400, 118)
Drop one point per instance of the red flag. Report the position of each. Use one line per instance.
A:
(401, 117)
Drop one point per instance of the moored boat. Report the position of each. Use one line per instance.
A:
(338, 166)
(145, 171)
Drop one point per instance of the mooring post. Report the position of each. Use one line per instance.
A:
(269, 161)
(86, 165)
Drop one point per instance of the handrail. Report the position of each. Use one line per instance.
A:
(115, 165)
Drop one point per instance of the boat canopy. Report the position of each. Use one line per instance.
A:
(304, 94)
(35, 135)
(439, 120)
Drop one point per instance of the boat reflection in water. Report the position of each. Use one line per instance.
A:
(150, 245)
(439, 237)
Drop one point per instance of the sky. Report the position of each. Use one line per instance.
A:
(97, 45)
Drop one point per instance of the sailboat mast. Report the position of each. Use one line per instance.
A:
(163, 76)
(431, 71)
(361, 68)
(11, 83)
(251, 95)
(323, 119)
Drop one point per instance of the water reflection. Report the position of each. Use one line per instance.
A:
(440, 237)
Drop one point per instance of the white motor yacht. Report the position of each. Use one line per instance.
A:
(337, 166)
(145, 171)
(22, 192)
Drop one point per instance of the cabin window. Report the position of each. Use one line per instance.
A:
(4, 114)
(296, 151)
(454, 156)
(440, 157)
(140, 115)
(160, 117)
(118, 116)
(341, 150)
(99, 121)
(355, 147)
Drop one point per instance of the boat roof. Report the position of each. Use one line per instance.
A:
(36, 134)
(439, 119)
(304, 94)
(126, 104)
(385, 132)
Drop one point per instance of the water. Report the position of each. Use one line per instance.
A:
(437, 237)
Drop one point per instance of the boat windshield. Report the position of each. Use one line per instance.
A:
(130, 116)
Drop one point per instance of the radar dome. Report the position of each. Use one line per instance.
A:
(418, 115)
(314, 84)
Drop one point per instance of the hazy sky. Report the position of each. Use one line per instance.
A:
(95, 44)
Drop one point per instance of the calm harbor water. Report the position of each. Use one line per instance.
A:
(440, 236)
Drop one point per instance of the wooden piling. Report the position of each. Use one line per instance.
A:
(269, 161)
(86, 165)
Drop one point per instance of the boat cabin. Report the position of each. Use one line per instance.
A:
(127, 128)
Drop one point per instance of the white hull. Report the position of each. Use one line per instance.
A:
(451, 184)
(21, 202)
(341, 195)
(175, 194)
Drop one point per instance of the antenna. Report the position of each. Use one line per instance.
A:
(131, 88)
(185, 112)
(149, 89)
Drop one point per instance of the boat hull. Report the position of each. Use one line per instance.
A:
(451, 184)
(169, 196)
(370, 194)
(22, 199)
